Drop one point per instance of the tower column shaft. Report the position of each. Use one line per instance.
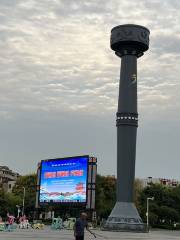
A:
(129, 42)
(126, 128)
(128, 84)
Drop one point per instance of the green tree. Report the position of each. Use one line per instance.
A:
(153, 218)
(8, 202)
(167, 215)
(105, 195)
(138, 187)
(11, 202)
(3, 210)
(165, 209)
(175, 198)
(29, 182)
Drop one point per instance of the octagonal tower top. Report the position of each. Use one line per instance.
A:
(130, 39)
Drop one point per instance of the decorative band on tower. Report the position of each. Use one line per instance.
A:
(124, 118)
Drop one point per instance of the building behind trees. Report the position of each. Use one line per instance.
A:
(7, 178)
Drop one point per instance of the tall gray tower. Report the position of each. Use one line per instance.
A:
(129, 43)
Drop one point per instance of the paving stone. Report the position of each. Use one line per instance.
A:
(47, 233)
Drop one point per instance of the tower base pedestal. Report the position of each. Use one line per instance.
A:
(124, 217)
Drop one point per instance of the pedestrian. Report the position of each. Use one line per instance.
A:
(10, 221)
(79, 226)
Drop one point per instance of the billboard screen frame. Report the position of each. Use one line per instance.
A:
(72, 203)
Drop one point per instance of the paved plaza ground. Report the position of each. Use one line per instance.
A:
(68, 235)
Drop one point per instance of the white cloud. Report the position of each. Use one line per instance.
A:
(55, 57)
(54, 49)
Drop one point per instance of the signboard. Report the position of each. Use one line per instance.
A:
(64, 180)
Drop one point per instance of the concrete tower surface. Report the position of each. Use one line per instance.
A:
(129, 43)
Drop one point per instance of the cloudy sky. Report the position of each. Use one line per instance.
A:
(59, 83)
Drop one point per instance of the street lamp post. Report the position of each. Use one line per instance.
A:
(18, 209)
(24, 194)
(147, 212)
